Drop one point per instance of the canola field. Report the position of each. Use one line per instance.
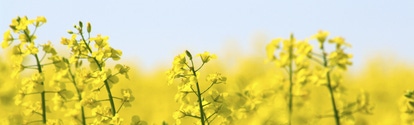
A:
(289, 81)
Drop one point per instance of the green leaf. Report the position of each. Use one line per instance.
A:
(113, 79)
(411, 103)
(67, 94)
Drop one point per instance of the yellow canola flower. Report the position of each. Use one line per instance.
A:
(303, 48)
(7, 39)
(339, 41)
(48, 48)
(321, 36)
(122, 69)
(38, 78)
(59, 102)
(288, 44)
(40, 20)
(283, 60)
(206, 57)
(216, 78)
(116, 120)
(100, 41)
(340, 58)
(179, 62)
(114, 54)
(20, 24)
(271, 48)
(18, 99)
(32, 48)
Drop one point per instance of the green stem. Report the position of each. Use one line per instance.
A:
(200, 105)
(79, 94)
(108, 89)
(39, 69)
(43, 94)
(290, 105)
(328, 77)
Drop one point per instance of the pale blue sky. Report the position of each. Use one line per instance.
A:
(153, 32)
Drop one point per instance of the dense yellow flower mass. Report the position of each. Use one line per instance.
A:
(298, 84)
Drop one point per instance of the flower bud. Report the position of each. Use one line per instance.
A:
(188, 54)
(88, 27)
(70, 31)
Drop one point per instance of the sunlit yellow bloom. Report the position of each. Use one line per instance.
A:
(206, 56)
(321, 36)
(100, 41)
(32, 49)
(19, 51)
(339, 58)
(48, 48)
(303, 48)
(271, 48)
(283, 60)
(58, 62)
(288, 44)
(90, 101)
(38, 78)
(122, 69)
(18, 99)
(103, 114)
(216, 78)
(64, 41)
(127, 94)
(17, 68)
(115, 54)
(302, 76)
(23, 38)
(339, 41)
(7, 39)
(319, 76)
(179, 62)
(59, 102)
(40, 20)
(116, 120)
(31, 108)
(20, 24)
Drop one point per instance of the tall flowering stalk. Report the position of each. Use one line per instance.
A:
(98, 76)
(26, 46)
(293, 57)
(208, 105)
(296, 56)
(67, 70)
(336, 59)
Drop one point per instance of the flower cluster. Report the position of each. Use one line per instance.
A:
(305, 65)
(209, 102)
(87, 81)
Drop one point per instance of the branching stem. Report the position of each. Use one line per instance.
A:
(328, 78)
(39, 69)
(108, 89)
(200, 105)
